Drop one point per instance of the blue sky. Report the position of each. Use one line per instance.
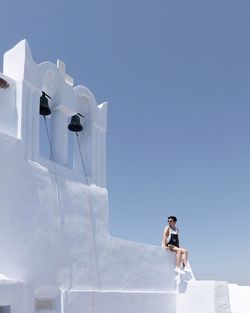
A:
(176, 75)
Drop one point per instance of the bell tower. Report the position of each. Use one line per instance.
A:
(50, 205)
(29, 84)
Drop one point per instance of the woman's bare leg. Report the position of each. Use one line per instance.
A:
(184, 256)
(178, 256)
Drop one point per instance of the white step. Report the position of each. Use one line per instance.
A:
(239, 298)
(203, 297)
(120, 302)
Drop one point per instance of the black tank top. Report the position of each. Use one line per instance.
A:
(174, 239)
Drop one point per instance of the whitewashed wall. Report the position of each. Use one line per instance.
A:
(13, 294)
(53, 226)
(59, 232)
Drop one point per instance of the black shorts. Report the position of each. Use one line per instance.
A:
(171, 246)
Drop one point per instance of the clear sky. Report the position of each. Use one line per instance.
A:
(176, 75)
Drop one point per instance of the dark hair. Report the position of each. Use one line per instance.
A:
(172, 218)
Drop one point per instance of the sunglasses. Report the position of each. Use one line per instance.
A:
(169, 221)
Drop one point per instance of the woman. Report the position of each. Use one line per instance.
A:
(171, 241)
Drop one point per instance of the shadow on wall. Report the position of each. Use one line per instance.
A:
(183, 282)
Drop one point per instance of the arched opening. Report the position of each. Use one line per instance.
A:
(47, 299)
(45, 137)
(50, 88)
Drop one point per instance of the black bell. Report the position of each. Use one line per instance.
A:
(44, 104)
(75, 125)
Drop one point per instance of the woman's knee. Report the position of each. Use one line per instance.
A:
(176, 250)
(184, 251)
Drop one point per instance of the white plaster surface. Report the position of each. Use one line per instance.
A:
(8, 116)
(196, 297)
(123, 302)
(65, 240)
(14, 294)
(221, 297)
(239, 298)
(203, 296)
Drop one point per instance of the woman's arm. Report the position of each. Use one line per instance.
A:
(165, 236)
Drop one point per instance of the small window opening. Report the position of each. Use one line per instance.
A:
(45, 304)
(4, 308)
(47, 299)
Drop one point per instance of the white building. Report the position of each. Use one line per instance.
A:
(56, 254)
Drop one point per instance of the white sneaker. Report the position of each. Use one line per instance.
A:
(188, 269)
(179, 270)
